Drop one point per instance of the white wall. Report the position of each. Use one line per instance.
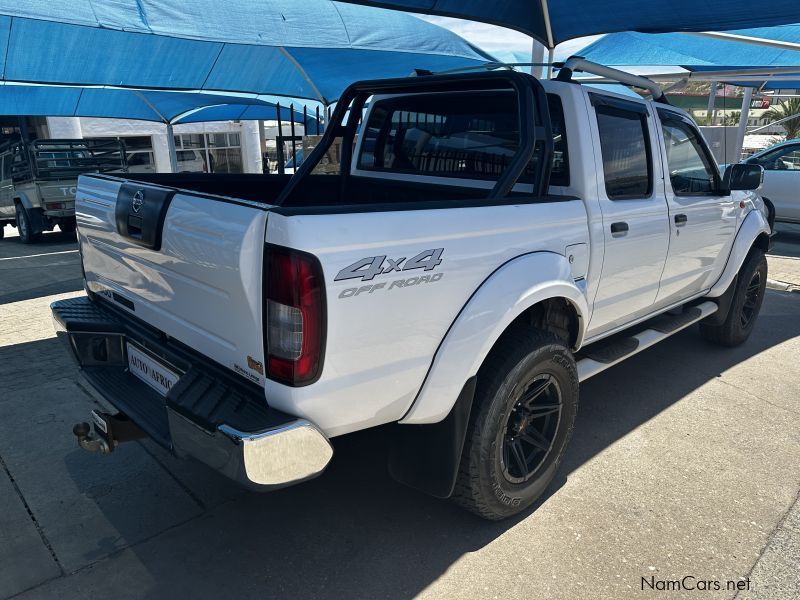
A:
(64, 127)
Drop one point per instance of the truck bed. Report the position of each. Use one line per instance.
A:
(317, 190)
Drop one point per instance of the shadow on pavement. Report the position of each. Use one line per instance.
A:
(786, 240)
(30, 271)
(354, 532)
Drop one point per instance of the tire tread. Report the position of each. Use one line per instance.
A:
(515, 344)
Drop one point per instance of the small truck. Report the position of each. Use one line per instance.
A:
(487, 242)
(38, 180)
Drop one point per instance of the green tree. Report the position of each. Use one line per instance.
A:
(731, 119)
(787, 108)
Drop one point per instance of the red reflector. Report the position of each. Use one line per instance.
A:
(294, 316)
(55, 206)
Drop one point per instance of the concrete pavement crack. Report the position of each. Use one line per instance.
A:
(35, 522)
(772, 533)
(759, 398)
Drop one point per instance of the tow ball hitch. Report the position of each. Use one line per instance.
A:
(109, 432)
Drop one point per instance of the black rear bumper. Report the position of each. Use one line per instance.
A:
(208, 414)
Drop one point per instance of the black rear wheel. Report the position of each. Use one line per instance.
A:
(26, 233)
(748, 296)
(522, 419)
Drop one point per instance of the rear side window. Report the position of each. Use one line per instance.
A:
(467, 136)
(625, 147)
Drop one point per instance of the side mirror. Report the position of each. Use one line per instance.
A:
(743, 176)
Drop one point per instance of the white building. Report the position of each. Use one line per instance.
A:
(213, 147)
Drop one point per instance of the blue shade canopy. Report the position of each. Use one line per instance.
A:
(698, 54)
(145, 105)
(555, 21)
(301, 49)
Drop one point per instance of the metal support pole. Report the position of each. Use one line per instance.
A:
(279, 140)
(262, 139)
(537, 57)
(173, 153)
(294, 136)
(711, 111)
(550, 54)
(748, 96)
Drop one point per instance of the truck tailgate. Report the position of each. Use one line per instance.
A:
(58, 197)
(193, 271)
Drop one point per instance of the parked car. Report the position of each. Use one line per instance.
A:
(490, 242)
(141, 161)
(781, 165)
(38, 180)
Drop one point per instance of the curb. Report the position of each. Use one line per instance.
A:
(782, 286)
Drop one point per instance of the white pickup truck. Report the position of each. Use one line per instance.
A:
(490, 241)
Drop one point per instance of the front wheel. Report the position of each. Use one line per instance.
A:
(522, 419)
(26, 233)
(747, 299)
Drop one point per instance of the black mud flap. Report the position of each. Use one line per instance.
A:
(724, 302)
(39, 223)
(427, 457)
(140, 213)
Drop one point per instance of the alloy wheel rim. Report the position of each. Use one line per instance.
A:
(751, 296)
(531, 428)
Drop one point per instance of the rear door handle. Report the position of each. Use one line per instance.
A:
(619, 229)
(680, 220)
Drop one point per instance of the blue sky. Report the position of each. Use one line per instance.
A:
(495, 39)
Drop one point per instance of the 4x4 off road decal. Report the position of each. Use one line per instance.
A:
(368, 268)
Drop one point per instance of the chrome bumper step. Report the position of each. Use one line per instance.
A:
(208, 414)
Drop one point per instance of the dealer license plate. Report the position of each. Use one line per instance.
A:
(149, 370)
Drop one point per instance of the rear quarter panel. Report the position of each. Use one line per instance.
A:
(381, 340)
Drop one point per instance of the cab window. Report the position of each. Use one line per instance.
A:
(691, 171)
(781, 159)
(624, 144)
(467, 136)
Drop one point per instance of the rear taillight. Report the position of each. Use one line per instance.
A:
(295, 316)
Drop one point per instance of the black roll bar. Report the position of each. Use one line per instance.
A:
(533, 115)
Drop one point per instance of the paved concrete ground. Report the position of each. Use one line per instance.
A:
(784, 260)
(685, 462)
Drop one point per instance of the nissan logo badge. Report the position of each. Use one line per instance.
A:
(138, 201)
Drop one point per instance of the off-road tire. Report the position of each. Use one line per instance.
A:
(521, 356)
(26, 233)
(747, 299)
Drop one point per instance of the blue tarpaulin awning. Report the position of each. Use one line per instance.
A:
(145, 105)
(310, 49)
(555, 21)
(706, 55)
